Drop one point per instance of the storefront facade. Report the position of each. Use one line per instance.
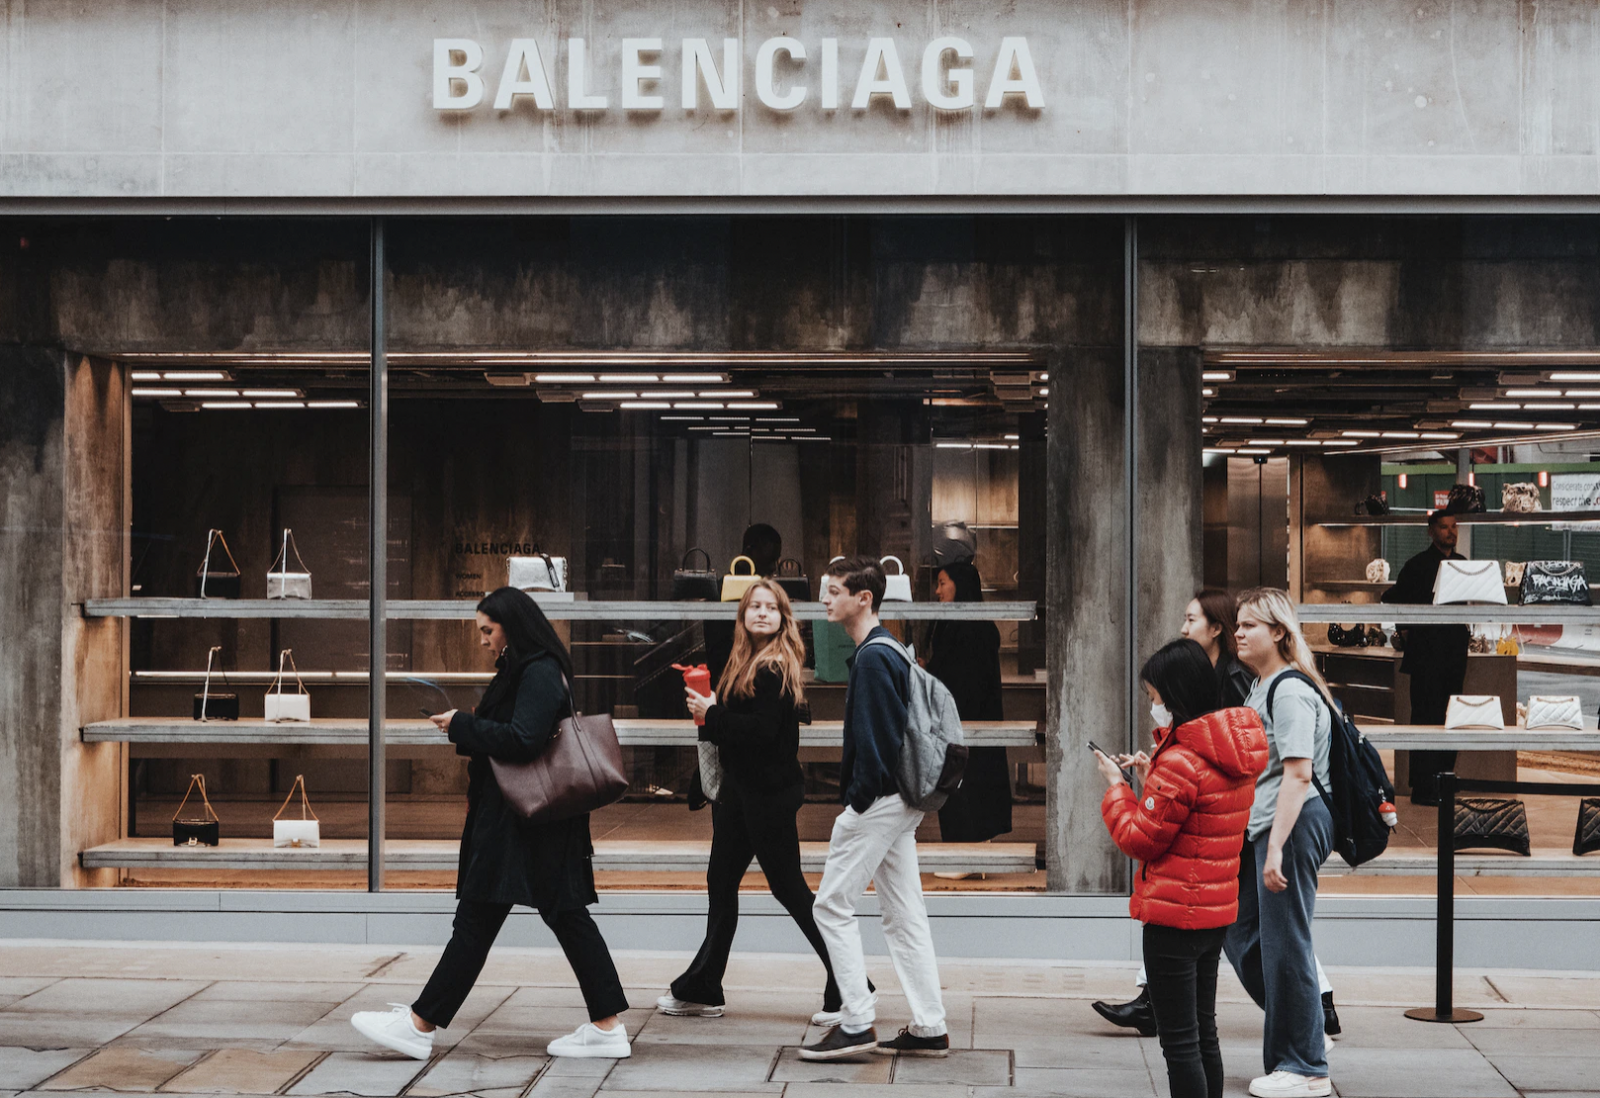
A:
(887, 230)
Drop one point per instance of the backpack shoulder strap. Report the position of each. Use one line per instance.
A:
(1299, 676)
(889, 642)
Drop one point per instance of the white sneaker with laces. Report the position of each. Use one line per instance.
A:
(682, 1008)
(1327, 1044)
(830, 1018)
(1286, 1084)
(592, 1042)
(393, 1030)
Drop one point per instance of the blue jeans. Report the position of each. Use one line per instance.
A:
(1270, 947)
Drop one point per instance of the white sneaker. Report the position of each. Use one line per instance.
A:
(835, 1017)
(594, 1043)
(1327, 1044)
(1286, 1084)
(393, 1029)
(682, 1008)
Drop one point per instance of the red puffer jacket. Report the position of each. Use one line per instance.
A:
(1189, 826)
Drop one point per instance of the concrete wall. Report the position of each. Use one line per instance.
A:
(158, 98)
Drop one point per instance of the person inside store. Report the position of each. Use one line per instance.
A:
(1289, 836)
(506, 859)
(757, 791)
(965, 656)
(764, 546)
(1435, 656)
(1188, 830)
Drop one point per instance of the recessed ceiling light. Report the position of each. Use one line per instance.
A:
(611, 395)
(1439, 434)
(1240, 419)
(1399, 434)
(1288, 422)
(226, 404)
(564, 379)
(1556, 427)
(1013, 438)
(627, 379)
(1216, 375)
(1208, 392)
(144, 375)
(332, 404)
(1249, 450)
(698, 405)
(753, 406)
(211, 392)
(1535, 393)
(1545, 406)
(1360, 434)
(693, 379)
(1513, 426)
(196, 375)
(682, 419)
(1208, 419)
(1567, 375)
(1340, 442)
(280, 404)
(157, 392)
(1302, 442)
(1493, 406)
(645, 405)
(273, 394)
(1472, 424)
(730, 394)
(1583, 393)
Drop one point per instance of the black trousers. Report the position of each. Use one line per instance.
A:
(745, 827)
(476, 926)
(1182, 968)
(1430, 697)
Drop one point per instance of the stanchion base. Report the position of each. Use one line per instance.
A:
(1431, 1014)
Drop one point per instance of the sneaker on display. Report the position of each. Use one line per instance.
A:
(837, 1044)
(909, 1044)
(393, 1030)
(1286, 1084)
(826, 1017)
(591, 1042)
(682, 1008)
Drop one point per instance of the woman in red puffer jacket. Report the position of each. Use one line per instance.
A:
(1187, 828)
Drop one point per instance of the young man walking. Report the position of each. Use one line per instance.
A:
(874, 838)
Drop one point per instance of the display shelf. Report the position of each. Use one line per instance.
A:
(1490, 518)
(1551, 861)
(441, 855)
(1493, 614)
(465, 609)
(1425, 737)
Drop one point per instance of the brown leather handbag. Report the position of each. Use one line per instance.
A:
(579, 771)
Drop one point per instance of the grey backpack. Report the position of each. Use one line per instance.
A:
(933, 754)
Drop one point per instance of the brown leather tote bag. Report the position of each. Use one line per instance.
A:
(579, 771)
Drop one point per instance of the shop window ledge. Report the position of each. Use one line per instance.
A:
(1426, 737)
(1489, 518)
(1545, 862)
(1345, 613)
(557, 610)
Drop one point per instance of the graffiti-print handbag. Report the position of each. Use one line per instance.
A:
(1554, 581)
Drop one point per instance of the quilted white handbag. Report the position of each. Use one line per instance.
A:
(1552, 713)
(1474, 711)
(285, 708)
(897, 585)
(537, 573)
(1461, 581)
(285, 584)
(1377, 570)
(304, 833)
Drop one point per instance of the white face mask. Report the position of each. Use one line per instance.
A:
(1163, 717)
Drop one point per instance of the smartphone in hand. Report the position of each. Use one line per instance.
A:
(1127, 774)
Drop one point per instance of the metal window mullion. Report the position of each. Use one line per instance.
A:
(377, 563)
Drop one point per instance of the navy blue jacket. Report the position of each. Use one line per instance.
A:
(875, 714)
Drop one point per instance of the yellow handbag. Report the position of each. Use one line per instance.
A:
(736, 583)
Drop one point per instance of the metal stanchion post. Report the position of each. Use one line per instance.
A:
(1443, 1009)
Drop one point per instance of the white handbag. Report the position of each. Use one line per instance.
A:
(1553, 713)
(304, 833)
(537, 573)
(822, 582)
(1377, 570)
(1461, 581)
(1474, 711)
(286, 584)
(285, 708)
(897, 585)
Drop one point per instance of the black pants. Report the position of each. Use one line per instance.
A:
(745, 827)
(1430, 698)
(1182, 968)
(475, 929)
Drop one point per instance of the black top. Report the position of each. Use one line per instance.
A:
(1235, 680)
(875, 714)
(757, 738)
(505, 858)
(965, 656)
(1428, 647)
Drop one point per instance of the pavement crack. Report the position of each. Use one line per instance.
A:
(383, 966)
(1498, 993)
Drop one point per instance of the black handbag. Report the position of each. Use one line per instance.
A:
(1373, 505)
(210, 705)
(695, 584)
(1492, 823)
(197, 830)
(1465, 499)
(216, 583)
(1554, 581)
(1587, 837)
(1354, 637)
(792, 578)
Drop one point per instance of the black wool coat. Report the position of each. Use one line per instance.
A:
(966, 658)
(505, 858)
(758, 738)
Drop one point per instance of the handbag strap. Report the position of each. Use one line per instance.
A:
(277, 683)
(696, 549)
(214, 537)
(197, 780)
(205, 689)
(305, 803)
(897, 564)
(283, 554)
(733, 566)
(790, 568)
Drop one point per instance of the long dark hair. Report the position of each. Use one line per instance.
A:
(1182, 674)
(1218, 607)
(968, 584)
(528, 632)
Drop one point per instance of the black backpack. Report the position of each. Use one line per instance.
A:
(1360, 783)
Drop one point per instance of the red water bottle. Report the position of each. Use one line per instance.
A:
(698, 679)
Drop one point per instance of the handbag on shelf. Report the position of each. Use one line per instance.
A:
(1460, 581)
(215, 583)
(304, 833)
(1514, 570)
(953, 543)
(203, 830)
(736, 583)
(897, 584)
(695, 584)
(1554, 713)
(287, 584)
(1465, 499)
(1508, 645)
(1491, 823)
(286, 708)
(1353, 637)
(216, 706)
(580, 770)
(1554, 581)
(1519, 499)
(540, 572)
(1586, 838)
(1374, 505)
(1474, 711)
(792, 578)
(1377, 570)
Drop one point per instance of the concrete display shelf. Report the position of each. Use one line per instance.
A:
(1426, 737)
(440, 855)
(1551, 861)
(556, 610)
(1512, 518)
(1346, 613)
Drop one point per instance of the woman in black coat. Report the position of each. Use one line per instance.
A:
(965, 657)
(506, 859)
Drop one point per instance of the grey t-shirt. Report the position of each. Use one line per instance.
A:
(1297, 728)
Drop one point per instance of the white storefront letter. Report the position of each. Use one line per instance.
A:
(578, 97)
(933, 75)
(766, 60)
(634, 71)
(881, 53)
(830, 74)
(446, 72)
(1014, 53)
(524, 54)
(697, 63)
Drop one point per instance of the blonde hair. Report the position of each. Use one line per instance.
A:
(784, 654)
(1273, 607)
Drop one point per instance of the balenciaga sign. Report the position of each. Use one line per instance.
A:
(787, 74)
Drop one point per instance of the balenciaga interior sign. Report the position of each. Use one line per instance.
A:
(787, 73)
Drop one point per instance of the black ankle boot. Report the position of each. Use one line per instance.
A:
(1138, 1014)
(1330, 1017)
